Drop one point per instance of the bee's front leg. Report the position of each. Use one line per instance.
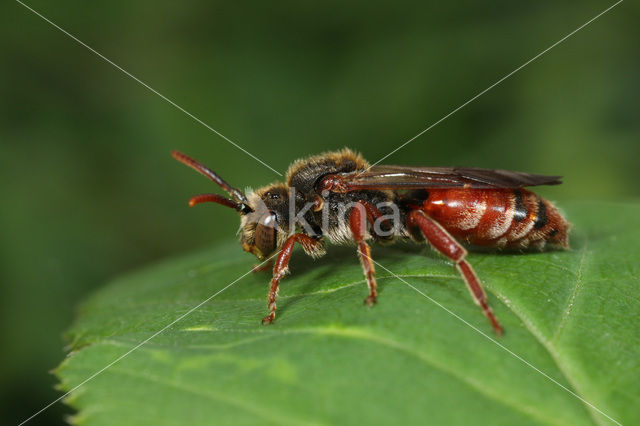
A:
(281, 268)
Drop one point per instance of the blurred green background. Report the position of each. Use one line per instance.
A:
(89, 189)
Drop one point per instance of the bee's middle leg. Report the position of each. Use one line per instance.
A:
(357, 223)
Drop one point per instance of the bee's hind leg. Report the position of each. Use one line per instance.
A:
(442, 241)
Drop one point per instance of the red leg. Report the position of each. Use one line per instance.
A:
(442, 241)
(281, 268)
(357, 222)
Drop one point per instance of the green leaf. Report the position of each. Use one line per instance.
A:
(330, 360)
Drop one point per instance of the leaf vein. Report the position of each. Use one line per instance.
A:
(576, 289)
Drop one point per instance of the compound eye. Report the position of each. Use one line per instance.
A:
(266, 233)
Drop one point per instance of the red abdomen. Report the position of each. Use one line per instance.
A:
(515, 218)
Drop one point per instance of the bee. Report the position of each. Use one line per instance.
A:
(337, 196)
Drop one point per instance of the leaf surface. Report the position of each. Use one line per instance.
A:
(330, 360)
